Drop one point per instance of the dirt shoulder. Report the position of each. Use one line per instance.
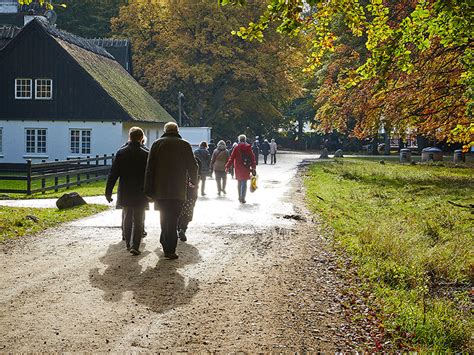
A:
(236, 287)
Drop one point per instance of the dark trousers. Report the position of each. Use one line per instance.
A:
(273, 158)
(132, 225)
(221, 179)
(169, 214)
(265, 158)
(242, 186)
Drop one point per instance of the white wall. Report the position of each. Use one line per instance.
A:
(195, 135)
(106, 138)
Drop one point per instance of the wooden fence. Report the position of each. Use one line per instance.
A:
(55, 175)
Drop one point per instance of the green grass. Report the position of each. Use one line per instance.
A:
(413, 248)
(90, 189)
(14, 222)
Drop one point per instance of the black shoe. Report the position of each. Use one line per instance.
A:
(135, 251)
(144, 234)
(223, 191)
(182, 235)
(128, 247)
(171, 256)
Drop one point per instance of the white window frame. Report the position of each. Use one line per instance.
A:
(80, 147)
(16, 89)
(50, 93)
(35, 144)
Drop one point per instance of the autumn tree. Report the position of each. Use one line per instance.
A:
(187, 46)
(415, 69)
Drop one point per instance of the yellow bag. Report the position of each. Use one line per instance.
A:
(253, 183)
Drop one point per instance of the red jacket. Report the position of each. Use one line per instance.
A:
(241, 172)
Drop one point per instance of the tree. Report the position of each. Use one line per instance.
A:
(402, 40)
(187, 46)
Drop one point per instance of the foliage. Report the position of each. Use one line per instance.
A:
(234, 86)
(413, 248)
(17, 222)
(402, 41)
(88, 18)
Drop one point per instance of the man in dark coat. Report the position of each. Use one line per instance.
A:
(171, 165)
(129, 166)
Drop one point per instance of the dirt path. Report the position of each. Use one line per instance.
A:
(249, 279)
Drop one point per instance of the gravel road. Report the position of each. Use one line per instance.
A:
(254, 277)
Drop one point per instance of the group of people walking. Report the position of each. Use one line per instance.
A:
(169, 174)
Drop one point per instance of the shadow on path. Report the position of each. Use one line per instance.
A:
(160, 288)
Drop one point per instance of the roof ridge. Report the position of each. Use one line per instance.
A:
(72, 38)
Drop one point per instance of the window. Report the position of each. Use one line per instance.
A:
(23, 89)
(43, 89)
(80, 141)
(36, 140)
(1, 140)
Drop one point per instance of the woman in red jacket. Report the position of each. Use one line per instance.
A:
(244, 163)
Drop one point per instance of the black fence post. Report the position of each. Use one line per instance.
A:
(78, 180)
(67, 176)
(43, 181)
(88, 166)
(97, 165)
(105, 159)
(56, 181)
(28, 177)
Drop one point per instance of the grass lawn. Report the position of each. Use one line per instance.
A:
(414, 249)
(16, 222)
(90, 189)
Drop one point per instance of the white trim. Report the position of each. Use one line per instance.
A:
(34, 156)
(31, 89)
(36, 90)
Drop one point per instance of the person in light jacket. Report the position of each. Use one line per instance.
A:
(218, 161)
(273, 152)
(170, 168)
(243, 160)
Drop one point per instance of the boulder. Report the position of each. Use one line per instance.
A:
(338, 154)
(70, 200)
(324, 154)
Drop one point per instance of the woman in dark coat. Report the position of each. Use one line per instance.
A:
(187, 212)
(265, 148)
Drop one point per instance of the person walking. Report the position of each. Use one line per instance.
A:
(256, 150)
(202, 154)
(129, 167)
(265, 148)
(187, 212)
(273, 152)
(243, 160)
(170, 168)
(218, 162)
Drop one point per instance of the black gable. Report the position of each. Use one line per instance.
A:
(88, 83)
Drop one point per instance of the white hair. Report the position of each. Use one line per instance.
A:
(242, 138)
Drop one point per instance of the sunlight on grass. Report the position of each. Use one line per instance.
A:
(413, 247)
(17, 222)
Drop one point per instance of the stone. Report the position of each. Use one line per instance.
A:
(324, 154)
(70, 200)
(32, 218)
(382, 162)
(338, 154)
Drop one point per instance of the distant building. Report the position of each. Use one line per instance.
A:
(65, 96)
